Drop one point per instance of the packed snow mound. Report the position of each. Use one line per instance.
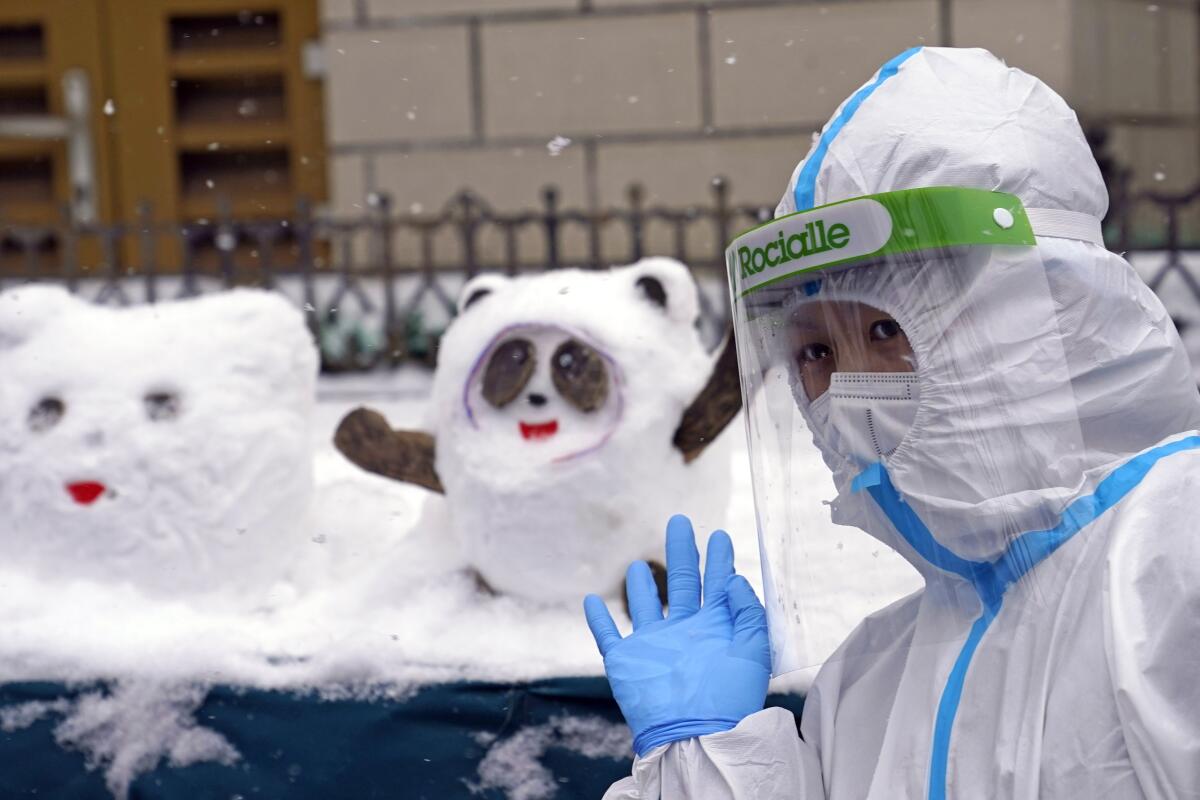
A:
(555, 402)
(379, 602)
(165, 446)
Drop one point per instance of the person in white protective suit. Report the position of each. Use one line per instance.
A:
(1000, 400)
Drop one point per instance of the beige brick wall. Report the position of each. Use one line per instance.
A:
(795, 64)
(1133, 58)
(1183, 61)
(506, 178)
(348, 187)
(390, 9)
(337, 10)
(593, 75)
(426, 97)
(1033, 35)
(397, 85)
(512, 176)
(681, 175)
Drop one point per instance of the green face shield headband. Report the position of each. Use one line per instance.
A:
(870, 228)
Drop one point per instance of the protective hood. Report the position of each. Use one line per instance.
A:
(1033, 377)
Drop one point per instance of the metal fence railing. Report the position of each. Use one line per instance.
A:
(378, 288)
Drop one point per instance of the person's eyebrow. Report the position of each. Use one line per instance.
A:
(807, 326)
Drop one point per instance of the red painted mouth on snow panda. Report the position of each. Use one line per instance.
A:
(539, 430)
(86, 492)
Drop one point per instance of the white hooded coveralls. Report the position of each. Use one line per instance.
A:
(1083, 679)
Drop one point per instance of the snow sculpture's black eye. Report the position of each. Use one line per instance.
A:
(580, 375)
(161, 406)
(46, 414)
(508, 370)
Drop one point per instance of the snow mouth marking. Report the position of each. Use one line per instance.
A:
(539, 430)
(86, 492)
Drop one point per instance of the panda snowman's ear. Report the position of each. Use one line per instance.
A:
(27, 309)
(669, 285)
(478, 288)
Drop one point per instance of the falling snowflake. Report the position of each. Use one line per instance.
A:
(110, 107)
(556, 145)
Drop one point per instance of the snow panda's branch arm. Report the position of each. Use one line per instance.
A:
(364, 437)
(715, 407)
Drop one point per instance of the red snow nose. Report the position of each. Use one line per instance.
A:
(85, 492)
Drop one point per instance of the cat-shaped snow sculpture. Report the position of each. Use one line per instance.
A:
(165, 446)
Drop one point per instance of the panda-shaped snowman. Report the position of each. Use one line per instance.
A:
(571, 415)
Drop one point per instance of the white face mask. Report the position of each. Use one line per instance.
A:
(865, 415)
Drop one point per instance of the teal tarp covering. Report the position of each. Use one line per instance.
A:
(299, 747)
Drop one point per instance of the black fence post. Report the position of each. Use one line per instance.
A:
(1126, 206)
(636, 195)
(187, 240)
(226, 239)
(550, 220)
(70, 250)
(720, 190)
(146, 245)
(381, 203)
(467, 226)
(302, 229)
(1174, 257)
(511, 256)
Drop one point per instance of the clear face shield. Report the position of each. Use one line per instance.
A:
(845, 316)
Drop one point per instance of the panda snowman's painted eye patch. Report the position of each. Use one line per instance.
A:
(508, 370)
(579, 375)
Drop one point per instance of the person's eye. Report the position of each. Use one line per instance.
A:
(884, 329)
(161, 406)
(46, 414)
(813, 352)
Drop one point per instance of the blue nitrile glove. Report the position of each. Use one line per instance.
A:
(700, 670)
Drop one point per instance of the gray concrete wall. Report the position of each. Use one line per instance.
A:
(427, 97)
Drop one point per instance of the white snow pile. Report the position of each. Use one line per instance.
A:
(129, 730)
(514, 765)
(173, 516)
